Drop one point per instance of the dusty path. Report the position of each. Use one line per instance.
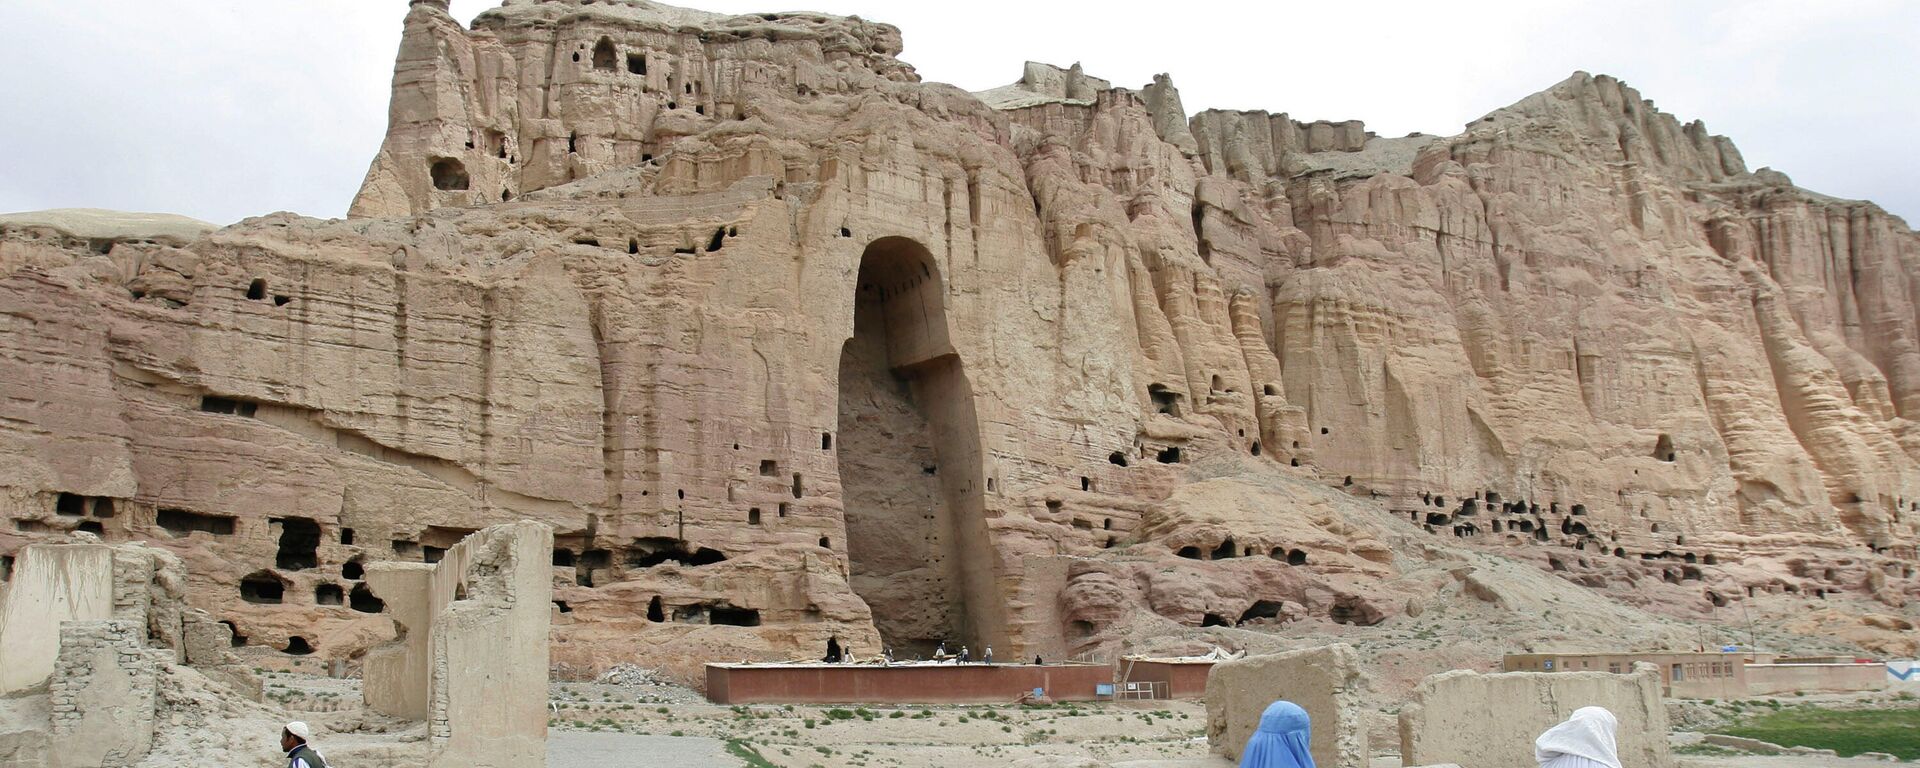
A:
(577, 749)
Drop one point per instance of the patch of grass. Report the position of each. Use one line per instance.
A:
(748, 754)
(1893, 731)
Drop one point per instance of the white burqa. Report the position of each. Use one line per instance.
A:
(1585, 740)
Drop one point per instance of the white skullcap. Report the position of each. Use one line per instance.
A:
(301, 730)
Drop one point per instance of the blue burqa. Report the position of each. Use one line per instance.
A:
(1281, 741)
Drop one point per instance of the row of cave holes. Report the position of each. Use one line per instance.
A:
(1106, 524)
(714, 243)
(1471, 506)
(296, 645)
(257, 291)
(1167, 401)
(1343, 611)
(1227, 550)
(645, 553)
(713, 613)
(606, 58)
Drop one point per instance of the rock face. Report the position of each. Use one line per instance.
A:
(796, 353)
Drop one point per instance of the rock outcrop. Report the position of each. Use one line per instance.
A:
(795, 350)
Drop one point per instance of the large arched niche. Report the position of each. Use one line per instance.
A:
(909, 454)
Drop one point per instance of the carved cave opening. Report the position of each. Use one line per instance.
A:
(604, 55)
(262, 587)
(299, 544)
(905, 405)
(448, 174)
(361, 599)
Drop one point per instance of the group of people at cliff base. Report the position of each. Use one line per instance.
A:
(1584, 740)
(965, 656)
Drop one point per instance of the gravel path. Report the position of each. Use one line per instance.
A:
(583, 749)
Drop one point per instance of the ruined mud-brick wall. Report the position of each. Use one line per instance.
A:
(103, 691)
(793, 349)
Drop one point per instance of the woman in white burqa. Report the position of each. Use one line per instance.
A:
(1585, 740)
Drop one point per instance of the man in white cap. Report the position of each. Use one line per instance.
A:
(293, 739)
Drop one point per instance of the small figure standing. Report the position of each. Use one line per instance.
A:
(293, 739)
(987, 657)
(940, 652)
(965, 657)
(1585, 740)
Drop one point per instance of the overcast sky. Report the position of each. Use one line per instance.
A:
(222, 109)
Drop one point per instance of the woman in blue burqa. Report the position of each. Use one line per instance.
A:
(1281, 741)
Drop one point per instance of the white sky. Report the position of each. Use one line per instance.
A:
(222, 109)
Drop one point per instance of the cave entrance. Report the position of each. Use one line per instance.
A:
(905, 404)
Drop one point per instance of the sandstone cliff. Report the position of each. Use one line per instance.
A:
(793, 348)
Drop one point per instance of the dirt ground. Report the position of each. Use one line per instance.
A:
(594, 725)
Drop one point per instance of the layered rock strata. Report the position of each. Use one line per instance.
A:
(798, 354)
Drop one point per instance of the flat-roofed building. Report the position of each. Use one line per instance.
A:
(1683, 675)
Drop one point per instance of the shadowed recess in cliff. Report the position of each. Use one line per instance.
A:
(905, 405)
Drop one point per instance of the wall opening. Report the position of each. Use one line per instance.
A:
(238, 640)
(262, 587)
(733, 617)
(604, 56)
(753, 516)
(298, 646)
(361, 599)
(329, 594)
(1297, 557)
(1165, 400)
(652, 551)
(1223, 552)
(178, 523)
(769, 468)
(1215, 620)
(1117, 458)
(448, 174)
(1190, 553)
(637, 63)
(905, 405)
(656, 613)
(299, 544)
(1168, 455)
(1663, 448)
(1261, 609)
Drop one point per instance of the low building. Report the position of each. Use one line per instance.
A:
(1168, 678)
(1682, 675)
(1826, 675)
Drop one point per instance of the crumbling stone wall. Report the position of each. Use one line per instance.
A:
(1325, 681)
(102, 695)
(472, 657)
(1491, 720)
(53, 584)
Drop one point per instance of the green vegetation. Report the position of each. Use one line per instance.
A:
(1851, 732)
(748, 754)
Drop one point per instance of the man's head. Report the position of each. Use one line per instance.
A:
(295, 734)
